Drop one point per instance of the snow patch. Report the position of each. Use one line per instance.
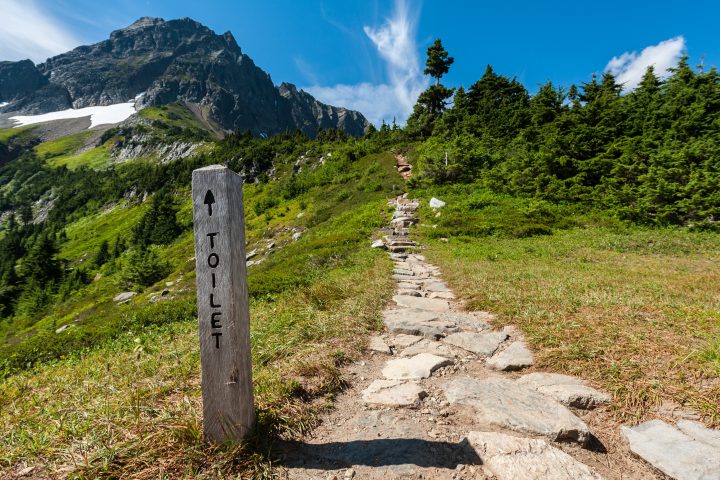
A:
(2, 104)
(98, 115)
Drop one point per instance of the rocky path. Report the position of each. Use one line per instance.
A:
(442, 394)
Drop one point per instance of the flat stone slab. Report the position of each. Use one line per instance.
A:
(408, 286)
(403, 341)
(435, 286)
(428, 346)
(570, 391)
(402, 271)
(510, 458)
(377, 344)
(442, 295)
(417, 322)
(414, 368)
(700, 433)
(410, 293)
(431, 304)
(502, 402)
(394, 393)
(674, 452)
(472, 320)
(483, 344)
(515, 357)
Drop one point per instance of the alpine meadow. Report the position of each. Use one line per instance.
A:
(516, 282)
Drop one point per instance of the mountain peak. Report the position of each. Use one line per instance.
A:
(174, 61)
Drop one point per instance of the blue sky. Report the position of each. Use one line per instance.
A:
(369, 55)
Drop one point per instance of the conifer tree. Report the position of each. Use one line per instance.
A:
(438, 62)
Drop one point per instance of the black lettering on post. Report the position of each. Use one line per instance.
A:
(212, 238)
(212, 275)
(213, 322)
(213, 260)
(212, 301)
(217, 336)
(209, 200)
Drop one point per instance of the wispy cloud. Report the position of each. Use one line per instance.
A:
(27, 31)
(393, 99)
(630, 66)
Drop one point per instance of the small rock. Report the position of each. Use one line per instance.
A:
(62, 329)
(377, 344)
(436, 203)
(378, 244)
(26, 471)
(349, 474)
(299, 215)
(169, 284)
(124, 296)
(417, 367)
(250, 255)
(514, 357)
(296, 235)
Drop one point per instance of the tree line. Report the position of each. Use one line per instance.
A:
(650, 155)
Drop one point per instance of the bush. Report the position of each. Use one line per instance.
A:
(142, 267)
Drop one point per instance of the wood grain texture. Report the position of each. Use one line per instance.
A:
(223, 311)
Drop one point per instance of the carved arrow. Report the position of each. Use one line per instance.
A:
(209, 200)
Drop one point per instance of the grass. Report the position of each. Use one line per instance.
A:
(20, 133)
(64, 152)
(132, 407)
(117, 395)
(635, 311)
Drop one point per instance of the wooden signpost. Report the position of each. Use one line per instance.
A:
(223, 311)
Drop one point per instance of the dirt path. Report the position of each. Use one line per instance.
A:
(441, 394)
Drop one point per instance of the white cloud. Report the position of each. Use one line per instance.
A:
(396, 45)
(26, 31)
(629, 67)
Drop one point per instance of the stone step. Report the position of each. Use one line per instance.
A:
(431, 304)
(515, 357)
(570, 391)
(504, 403)
(414, 368)
(688, 452)
(393, 393)
(509, 458)
(483, 344)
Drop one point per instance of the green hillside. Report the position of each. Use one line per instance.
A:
(587, 217)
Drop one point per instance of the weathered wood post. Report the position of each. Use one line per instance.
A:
(223, 311)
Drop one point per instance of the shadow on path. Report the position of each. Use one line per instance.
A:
(378, 453)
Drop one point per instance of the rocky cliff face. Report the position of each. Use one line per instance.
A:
(168, 61)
